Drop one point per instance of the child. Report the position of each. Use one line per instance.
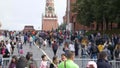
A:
(44, 62)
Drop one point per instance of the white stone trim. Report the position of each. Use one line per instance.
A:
(50, 18)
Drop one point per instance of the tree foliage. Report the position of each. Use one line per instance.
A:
(101, 11)
(62, 26)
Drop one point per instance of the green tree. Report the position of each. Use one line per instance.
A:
(62, 26)
(84, 12)
(103, 12)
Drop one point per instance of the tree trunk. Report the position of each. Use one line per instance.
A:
(118, 25)
(107, 24)
(97, 26)
(111, 25)
(102, 26)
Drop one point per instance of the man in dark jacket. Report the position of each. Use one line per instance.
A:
(102, 61)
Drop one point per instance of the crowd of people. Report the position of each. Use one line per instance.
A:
(66, 61)
(83, 46)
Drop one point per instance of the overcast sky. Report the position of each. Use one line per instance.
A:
(15, 14)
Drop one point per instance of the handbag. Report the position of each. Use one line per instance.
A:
(21, 51)
(63, 49)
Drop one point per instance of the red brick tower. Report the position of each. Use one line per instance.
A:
(49, 20)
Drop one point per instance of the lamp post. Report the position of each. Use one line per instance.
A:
(68, 14)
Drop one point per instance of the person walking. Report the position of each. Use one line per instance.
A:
(12, 43)
(71, 47)
(117, 55)
(31, 41)
(76, 47)
(5, 53)
(93, 51)
(25, 39)
(8, 46)
(55, 47)
(45, 44)
(20, 47)
(66, 47)
(117, 52)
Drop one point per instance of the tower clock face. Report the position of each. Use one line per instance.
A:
(50, 8)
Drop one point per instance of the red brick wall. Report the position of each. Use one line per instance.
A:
(49, 24)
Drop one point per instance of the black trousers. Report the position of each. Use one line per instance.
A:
(76, 52)
(54, 51)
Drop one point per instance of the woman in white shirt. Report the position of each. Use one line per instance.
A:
(71, 47)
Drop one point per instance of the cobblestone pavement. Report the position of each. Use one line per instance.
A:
(37, 52)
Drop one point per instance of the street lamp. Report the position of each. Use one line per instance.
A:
(68, 11)
(68, 14)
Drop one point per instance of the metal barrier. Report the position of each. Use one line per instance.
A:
(115, 64)
(81, 62)
(5, 62)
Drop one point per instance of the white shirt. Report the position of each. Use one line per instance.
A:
(43, 64)
(8, 46)
(31, 39)
(71, 47)
(45, 42)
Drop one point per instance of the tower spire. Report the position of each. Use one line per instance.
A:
(49, 9)
(49, 20)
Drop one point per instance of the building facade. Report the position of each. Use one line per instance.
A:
(49, 19)
(28, 28)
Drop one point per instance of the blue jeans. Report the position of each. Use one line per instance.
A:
(94, 56)
(84, 62)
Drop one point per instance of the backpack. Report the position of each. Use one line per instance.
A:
(84, 51)
(94, 49)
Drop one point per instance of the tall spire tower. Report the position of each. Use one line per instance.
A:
(49, 19)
